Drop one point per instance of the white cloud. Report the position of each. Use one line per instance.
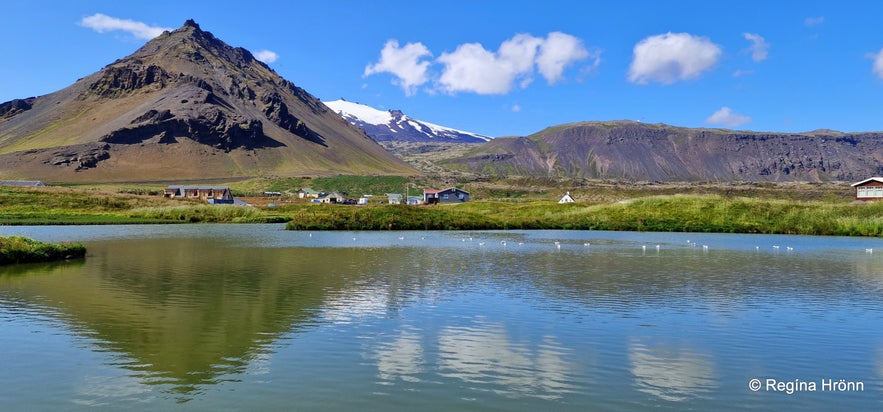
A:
(472, 68)
(726, 117)
(759, 47)
(557, 52)
(813, 21)
(104, 23)
(266, 56)
(741, 73)
(403, 62)
(877, 69)
(667, 58)
(516, 108)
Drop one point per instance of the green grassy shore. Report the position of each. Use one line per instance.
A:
(690, 209)
(687, 213)
(17, 249)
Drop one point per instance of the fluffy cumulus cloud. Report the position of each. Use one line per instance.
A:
(266, 56)
(406, 63)
(671, 57)
(558, 51)
(472, 68)
(759, 47)
(104, 23)
(726, 117)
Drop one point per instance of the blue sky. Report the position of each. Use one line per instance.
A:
(502, 67)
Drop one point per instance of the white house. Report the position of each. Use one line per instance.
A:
(567, 198)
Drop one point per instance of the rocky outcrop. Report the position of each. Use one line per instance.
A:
(277, 111)
(14, 107)
(80, 157)
(212, 127)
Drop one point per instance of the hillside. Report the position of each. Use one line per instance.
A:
(184, 106)
(656, 152)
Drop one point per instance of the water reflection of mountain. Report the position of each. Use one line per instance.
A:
(185, 312)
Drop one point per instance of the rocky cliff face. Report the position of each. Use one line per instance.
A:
(654, 152)
(185, 105)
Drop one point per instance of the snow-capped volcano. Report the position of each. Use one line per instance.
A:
(393, 125)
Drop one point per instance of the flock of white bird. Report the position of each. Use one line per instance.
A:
(692, 245)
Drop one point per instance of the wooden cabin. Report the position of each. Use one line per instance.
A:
(869, 189)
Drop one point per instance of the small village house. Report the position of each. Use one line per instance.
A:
(210, 194)
(307, 193)
(567, 198)
(332, 198)
(449, 195)
(869, 189)
(394, 198)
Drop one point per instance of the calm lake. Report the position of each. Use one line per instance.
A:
(253, 317)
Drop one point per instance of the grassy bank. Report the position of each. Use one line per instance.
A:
(67, 206)
(664, 213)
(17, 249)
(204, 213)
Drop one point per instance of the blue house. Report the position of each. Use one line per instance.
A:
(449, 195)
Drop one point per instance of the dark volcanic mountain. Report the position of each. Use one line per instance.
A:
(184, 106)
(395, 126)
(657, 152)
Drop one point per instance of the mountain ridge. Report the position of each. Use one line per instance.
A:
(635, 151)
(394, 125)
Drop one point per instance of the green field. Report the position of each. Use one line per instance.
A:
(692, 208)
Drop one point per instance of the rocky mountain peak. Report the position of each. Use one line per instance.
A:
(191, 23)
(188, 87)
